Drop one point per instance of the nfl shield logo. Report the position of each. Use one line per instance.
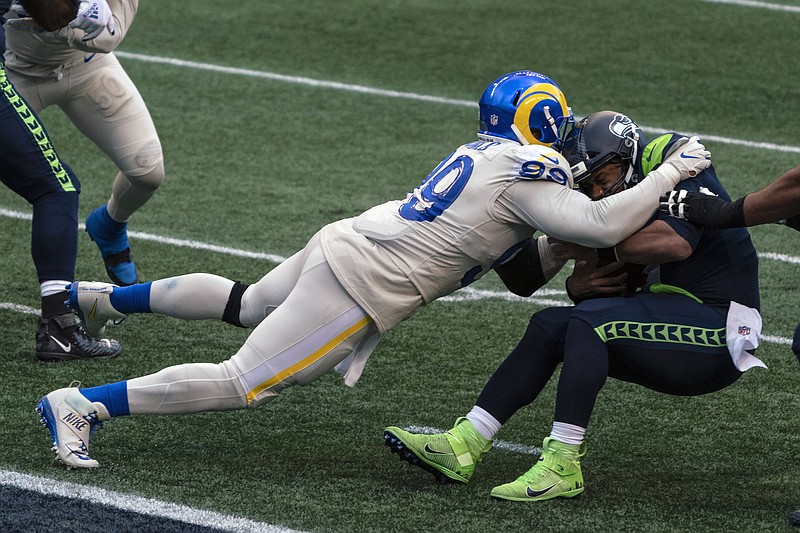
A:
(744, 330)
(493, 120)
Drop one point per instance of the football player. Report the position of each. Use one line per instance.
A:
(30, 166)
(686, 333)
(329, 304)
(75, 69)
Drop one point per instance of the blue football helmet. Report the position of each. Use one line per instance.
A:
(526, 107)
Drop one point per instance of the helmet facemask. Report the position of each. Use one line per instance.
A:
(600, 139)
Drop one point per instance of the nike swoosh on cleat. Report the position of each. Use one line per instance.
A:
(93, 311)
(79, 454)
(435, 452)
(536, 493)
(66, 347)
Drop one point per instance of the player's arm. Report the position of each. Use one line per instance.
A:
(571, 216)
(531, 268)
(654, 244)
(776, 202)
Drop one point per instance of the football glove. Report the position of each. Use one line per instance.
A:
(688, 156)
(703, 209)
(93, 17)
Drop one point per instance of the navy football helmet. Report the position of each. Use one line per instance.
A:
(526, 107)
(601, 138)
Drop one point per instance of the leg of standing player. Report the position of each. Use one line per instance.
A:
(30, 166)
(105, 105)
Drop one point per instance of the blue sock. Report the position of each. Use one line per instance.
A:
(132, 299)
(114, 396)
(108, 222)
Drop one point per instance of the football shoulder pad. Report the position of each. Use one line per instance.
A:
(533, 162)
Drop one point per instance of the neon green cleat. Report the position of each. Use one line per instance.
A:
(451, 456)
(557, 474)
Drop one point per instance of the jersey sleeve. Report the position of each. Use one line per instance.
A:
(567, 214)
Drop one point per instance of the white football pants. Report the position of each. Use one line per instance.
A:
(307, 324)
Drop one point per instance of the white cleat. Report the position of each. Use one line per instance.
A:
(92, 301)
(71, 419)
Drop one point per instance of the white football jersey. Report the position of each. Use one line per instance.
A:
(471, 213)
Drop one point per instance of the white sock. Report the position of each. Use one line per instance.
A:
(53, 286)
(191, 296)
(567, 433)
(486, 424)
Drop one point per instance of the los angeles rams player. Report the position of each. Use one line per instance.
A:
(686, 334)
(328, 305)
(75, 68)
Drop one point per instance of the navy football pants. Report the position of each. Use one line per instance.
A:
(665, 342)
(30, 167)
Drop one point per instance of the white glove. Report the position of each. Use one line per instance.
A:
(93, 17)
(688, 157)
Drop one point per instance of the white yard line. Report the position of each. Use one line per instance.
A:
(363, 89)
(759, 5)
(136, 504)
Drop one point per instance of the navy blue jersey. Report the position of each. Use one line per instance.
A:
(724, 265)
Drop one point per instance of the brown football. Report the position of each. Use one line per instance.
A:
(51, 14)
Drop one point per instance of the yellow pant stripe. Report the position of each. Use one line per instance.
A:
(307, 361)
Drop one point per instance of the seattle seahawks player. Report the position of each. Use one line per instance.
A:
(474, 211)
(31, 167)
(75, 69)
(686, 334)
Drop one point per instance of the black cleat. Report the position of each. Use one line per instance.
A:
(61, 338)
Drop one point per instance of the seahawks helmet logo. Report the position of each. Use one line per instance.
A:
(622, 126)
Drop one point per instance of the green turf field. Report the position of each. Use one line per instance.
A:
(259, 157)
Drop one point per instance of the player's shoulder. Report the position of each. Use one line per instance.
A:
(534, 162)
(657, 149)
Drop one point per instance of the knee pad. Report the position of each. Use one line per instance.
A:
(234, 305)
(148, 171)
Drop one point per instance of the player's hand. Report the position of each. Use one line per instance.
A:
(588, 281)
(703, 209)
(688, 156)
(93, 17)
